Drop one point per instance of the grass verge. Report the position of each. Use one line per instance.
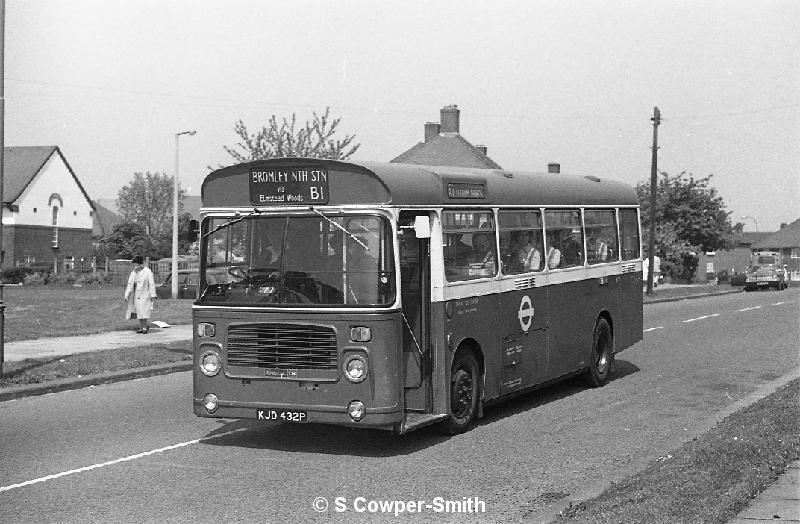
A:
(35, 371)
(38, 312)
(713, 477)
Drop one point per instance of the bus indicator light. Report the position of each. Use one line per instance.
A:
(360, 334)
(206, 329)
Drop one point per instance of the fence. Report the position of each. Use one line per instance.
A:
(116, 271)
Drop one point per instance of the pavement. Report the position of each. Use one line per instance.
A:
(781, 501)
(57, 347)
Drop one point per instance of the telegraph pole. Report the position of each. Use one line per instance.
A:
(651, 244)
(2, 149)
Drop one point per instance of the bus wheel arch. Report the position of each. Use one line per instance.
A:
(601, 357)
(465, 387)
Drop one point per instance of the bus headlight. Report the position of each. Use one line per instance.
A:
(210, 402)
(355, 368)
(210, 363)
(356, 410)
(206, 329)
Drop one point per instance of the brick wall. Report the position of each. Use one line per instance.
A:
(36, 242)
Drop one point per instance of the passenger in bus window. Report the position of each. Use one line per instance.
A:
(510, 253)
(529, 255)
(483, 252)
(597, 250)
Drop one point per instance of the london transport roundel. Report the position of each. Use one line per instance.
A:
(525, 313)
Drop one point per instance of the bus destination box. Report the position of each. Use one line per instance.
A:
(287, 186)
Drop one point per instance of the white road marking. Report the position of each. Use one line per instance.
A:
(652, 329)
(701, 318)
(115, 461)
(779, 303)
(749, 308)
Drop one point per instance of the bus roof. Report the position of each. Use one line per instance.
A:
(252, 184)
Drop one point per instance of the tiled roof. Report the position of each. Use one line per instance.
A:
(447, 149)
(22, 164)
(788, 237)
(104, 220)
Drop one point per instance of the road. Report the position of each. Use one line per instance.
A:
(133, 452)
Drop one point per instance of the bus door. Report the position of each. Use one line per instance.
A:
(415, 296)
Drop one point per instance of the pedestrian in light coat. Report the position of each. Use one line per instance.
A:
(139, 294)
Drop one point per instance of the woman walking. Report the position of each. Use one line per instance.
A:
(139, 294)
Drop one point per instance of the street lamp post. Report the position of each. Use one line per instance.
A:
(751, 218)
(175, 216)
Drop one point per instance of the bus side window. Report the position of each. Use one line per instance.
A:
(601, 234)
(565, 238)
(629, 232)
(470, 250)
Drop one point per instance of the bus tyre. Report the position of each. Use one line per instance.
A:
(464, 391)
(601, 361)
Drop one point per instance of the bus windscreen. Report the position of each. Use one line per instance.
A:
(293, 260)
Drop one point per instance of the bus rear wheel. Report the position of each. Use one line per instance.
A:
(601, 361)
(464, 391)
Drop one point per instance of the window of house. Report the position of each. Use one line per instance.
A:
(55, 226)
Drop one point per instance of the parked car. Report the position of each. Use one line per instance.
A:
(188, 279)
(767, 269)
(739, 279)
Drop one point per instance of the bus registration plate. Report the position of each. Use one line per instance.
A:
(281, 415)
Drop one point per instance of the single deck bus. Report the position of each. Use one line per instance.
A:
(394, 296)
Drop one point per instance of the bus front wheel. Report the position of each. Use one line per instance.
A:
(602, 358)
(464, 391)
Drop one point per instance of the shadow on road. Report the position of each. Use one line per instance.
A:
(337, 440)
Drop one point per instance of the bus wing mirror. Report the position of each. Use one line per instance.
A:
(422, 227)
(194, 231)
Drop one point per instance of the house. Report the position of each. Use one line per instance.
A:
(47, 213)
(736, 259)
(444, 146)
(786, 242)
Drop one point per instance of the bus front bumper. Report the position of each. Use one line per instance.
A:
(374, 417)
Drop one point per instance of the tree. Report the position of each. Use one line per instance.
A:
(128, 239)
(690, 217)
(147, 201)
(285, 139)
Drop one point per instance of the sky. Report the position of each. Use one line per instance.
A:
(575, 82)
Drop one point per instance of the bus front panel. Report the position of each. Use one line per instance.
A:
(295, 363)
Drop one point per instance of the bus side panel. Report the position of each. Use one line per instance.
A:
(572, 315)
(522, 324)
(476, 318)
(628, 324)
(441, 358)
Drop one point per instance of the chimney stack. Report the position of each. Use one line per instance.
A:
(554, 167)
(482, 149)
(431, 130)
(449, 117)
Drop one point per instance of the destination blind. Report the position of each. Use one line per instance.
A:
(296, 185)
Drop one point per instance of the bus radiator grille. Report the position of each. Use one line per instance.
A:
(282, 346)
